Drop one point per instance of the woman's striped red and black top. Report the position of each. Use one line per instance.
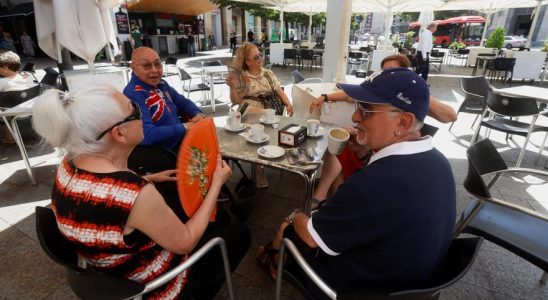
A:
(92, 210)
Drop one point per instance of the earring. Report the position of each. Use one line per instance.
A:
(398, 132)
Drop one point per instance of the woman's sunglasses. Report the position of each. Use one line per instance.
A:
(135, 115)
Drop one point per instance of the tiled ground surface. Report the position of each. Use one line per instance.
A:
(26, 273)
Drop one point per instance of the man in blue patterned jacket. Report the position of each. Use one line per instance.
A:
(160, 104)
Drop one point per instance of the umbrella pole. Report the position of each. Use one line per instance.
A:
(309, 27)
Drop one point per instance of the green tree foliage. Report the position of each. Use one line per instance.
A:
(272, 14)
(496, 39)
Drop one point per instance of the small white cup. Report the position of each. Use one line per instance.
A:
(313, 125)
(338, 137)
(269, 115)
(234, 120)
(257, 132)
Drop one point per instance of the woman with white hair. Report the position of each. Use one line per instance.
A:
(116, 219)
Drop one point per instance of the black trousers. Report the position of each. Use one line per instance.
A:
(207, 275)
(423, 66)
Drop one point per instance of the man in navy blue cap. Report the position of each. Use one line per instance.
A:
(388, 226)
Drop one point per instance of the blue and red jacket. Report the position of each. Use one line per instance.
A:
(161, 107)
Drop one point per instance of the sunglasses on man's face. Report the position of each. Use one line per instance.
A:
(365, 110)
(135, 115)
(148, 66)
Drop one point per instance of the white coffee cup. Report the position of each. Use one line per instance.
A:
(269, 115)
(257, 132)
(234, 120)
(337, 139)
(313, 125)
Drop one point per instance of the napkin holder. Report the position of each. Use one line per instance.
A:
(292, 135)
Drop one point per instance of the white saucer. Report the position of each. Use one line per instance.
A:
(242, 127)
(271, 151)
(248, 138)
(319, 132)
(275, 121)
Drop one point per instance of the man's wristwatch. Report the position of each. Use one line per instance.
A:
(292, 215)
(324, 97)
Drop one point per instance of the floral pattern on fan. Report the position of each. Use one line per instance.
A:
(197, 169)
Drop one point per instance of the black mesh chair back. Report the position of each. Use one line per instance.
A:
(14, 98)
(28, 67)
(500, 67)
(307, 54)
(86, 284)
(463, 51)
(355, 55)
(50, 79)
(290, 54)
(184, 75)
(512, 106)
(171, 60)
(297, 76)
(486, 158)
(211, 63)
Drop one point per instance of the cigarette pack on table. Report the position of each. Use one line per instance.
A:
(292, 135)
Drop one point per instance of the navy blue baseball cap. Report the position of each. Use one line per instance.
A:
(399, 87)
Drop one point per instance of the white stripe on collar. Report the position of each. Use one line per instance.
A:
(404, 148)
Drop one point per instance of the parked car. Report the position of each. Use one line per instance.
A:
(511, 41)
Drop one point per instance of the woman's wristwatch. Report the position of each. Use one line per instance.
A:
(325, 99)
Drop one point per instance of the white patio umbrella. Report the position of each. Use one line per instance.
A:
(489, 7)
(281, 5)
(309, 7)
(83, 27)
(389, 7)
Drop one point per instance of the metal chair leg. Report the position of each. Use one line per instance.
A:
(541, 149)
(14, 130)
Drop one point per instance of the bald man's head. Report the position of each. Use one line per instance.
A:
(147, 66)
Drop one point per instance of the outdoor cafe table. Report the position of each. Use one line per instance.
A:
(22, 110)
(538, 93)
(211, 71)
(234, 146)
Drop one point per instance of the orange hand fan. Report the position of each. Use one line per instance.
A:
(195, 165)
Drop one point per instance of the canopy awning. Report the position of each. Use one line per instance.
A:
(21, 10)
(178, 7)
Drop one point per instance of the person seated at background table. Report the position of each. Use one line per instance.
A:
(256, 81)
(11, 81)
(116, 220)
(389, 226)
(161, 104)
(337, 169)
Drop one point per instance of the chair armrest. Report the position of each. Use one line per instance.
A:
(287, 243)
(191, 261)
(312, 80)
(513, 170)
(519, 208)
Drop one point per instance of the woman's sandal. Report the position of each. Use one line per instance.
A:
(266, 258)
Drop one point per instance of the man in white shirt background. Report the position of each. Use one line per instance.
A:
(424, 49)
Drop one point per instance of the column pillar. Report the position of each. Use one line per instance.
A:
(336, 40)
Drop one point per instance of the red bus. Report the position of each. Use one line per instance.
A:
(466, 29)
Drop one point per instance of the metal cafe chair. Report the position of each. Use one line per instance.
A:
(515, 228)
(170, 63)
(500, 106)
(93, 284)
(10, 100)
(475, 94)
(460, 257)
(189, 87)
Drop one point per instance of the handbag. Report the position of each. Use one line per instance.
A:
(272, 100)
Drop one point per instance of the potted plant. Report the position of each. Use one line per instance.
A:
(496, 39)
(456, 45)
